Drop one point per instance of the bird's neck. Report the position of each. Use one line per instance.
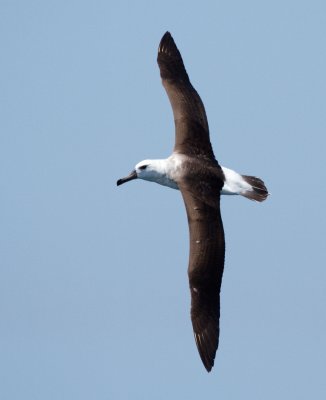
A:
(162, 171)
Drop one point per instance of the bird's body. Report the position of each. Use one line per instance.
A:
(168, 171)
(193, 169)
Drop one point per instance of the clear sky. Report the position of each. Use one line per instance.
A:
(94, 299)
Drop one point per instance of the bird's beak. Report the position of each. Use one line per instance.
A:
(130, 177)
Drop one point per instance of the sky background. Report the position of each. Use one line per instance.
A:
(94, 298)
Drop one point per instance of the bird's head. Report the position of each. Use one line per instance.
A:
(149, 170)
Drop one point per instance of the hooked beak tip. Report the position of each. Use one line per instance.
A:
(130, 177)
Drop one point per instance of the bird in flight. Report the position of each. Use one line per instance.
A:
(193, 169)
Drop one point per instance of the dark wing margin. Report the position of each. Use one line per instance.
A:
(191, 126)
(205, 271)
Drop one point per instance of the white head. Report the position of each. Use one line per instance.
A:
(149, 170)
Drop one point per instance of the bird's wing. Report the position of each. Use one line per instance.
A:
(191, 126)
(206, 264)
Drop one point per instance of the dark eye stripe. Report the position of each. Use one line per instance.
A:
(143, 167)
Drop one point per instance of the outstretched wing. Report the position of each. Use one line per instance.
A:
(206, 264)
(191, 126)
(200, 186)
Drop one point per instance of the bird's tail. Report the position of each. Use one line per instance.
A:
(258, 190)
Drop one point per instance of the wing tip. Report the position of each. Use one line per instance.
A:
(170, 60)
(166, 43)
(207, 351)
(166, 35)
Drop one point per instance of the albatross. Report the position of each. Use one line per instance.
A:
(193, 169)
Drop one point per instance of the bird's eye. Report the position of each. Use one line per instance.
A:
(143, 167)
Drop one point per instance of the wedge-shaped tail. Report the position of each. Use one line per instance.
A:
(258, 191)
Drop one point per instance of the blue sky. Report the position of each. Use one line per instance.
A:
(94, 298)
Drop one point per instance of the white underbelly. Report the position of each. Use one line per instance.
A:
(165, 181)
(234, 182)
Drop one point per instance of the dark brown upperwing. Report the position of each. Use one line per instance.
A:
(206, 264)
(191, 126)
